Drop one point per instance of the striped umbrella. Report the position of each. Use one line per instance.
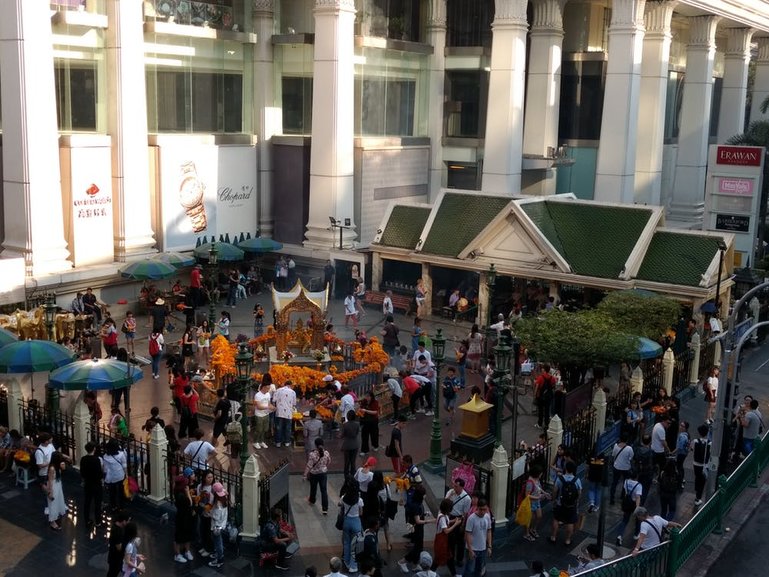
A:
(95, 375)
(148, 269)
(7, 337)
(32, 356)
(260, 245)
(225, 251)
(175, 259)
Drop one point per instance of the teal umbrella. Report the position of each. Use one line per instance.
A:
(648, 349)
(225, 251)
(175, 259)
(147, 269)
(259, 245)
(33, 356)
(95, 375)
(7, 337)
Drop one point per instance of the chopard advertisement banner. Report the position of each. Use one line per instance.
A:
(206, 190)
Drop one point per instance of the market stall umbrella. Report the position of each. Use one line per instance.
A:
(95, 375)
(147, 269)
(7, 337)
(175, 259)
(33, 356)
(225, 251)
(648, 349)
(260, 245)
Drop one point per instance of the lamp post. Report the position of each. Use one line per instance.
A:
(491, 281)
(502, 354)
(439, 351)
(721, 249)
(342, 227)
(243, 365)
(49, 312)
(213, 281)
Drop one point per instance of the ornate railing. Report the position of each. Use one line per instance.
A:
(36, 419)
(137, 453)
(579, 434)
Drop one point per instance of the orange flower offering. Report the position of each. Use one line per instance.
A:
(659, 410)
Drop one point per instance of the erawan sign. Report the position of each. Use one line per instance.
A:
(732, 194)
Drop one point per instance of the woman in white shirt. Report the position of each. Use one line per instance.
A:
(218, 524)
(115, 466)
(364, 474)
(351, 507)
(261, 415)
(133, 562)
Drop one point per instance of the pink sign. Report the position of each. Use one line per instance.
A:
(735, 186)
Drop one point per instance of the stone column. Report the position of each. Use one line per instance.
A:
(615, 169)
(436, 37)
(717, 354)
(82, 423)
(637, 380)
(482, 314)
(376, 271)
(599, 404)
(268, 116)
(15, 398)
(731, 118)
(331, 158)
(250, 481)
(32, 205)
(503, 147)
(543, 95)
(427, 280)
(132, 211)
(668, 364)
(158, 465)
(499, 483)
(689, 185)
(760, 81)
(694, 366)
(555, 435)
(755, 311)
(653, 97)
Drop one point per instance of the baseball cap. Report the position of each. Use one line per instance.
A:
(218, 490)
(188, 472)
(370, 462)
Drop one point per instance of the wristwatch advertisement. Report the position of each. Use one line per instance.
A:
(191, 190)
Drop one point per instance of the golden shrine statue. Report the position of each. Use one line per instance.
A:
(304, 336)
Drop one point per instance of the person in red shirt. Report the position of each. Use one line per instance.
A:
(189, 418)
(196, 284)
(179, 380)
(414, 388)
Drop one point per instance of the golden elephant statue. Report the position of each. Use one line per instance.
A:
(8, 322)
(64, 326)
(31, 324)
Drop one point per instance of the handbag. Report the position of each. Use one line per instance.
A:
(389, 451)
(340, 517)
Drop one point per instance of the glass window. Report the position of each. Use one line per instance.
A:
(467, 92)
(715, 106)
(463, 175)
(198, 85)
(469, 23)
(673, 102)
(582, 84)
(396, 19)
(93, 6)
(295, 16)
(297, 105)
(218, 14)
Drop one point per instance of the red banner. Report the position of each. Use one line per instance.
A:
(739, 155)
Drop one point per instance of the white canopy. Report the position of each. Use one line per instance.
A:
(282, 299)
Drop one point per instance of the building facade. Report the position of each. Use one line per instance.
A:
(134, 126)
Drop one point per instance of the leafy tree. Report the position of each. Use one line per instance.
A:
(641, 314)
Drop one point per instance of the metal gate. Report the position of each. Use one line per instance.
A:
(37, 419)
(273, 491)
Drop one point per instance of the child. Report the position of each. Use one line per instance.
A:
(425, 562)
(129, 330)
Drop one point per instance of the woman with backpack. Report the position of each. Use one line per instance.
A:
(632, 490)
(669, 485)
(156, 343)
(533, 490)
(350, 509)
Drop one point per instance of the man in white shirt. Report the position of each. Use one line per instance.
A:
(261, 416)
(284, 400)
(499, 325)
(478, 539)
(199, 451)
(659, 445)
(335, 566)
(396, 394)
(421, 350)
(650, 533)
(622, 454)
(387, 304)
(346, 403)
(43, 454)
(460, 507)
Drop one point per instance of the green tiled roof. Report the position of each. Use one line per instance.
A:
(594, 240)
(404, 226)
(460, 218)
(678, 258)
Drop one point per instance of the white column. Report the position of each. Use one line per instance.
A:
(32, 205)
(250, 482)
(694, 366)
(689, 184)
(331, 157)
(555, 435)
(734, 91)
(599, 404)
(15, 398)
(543, 94)
(615, 169)
(427, 284)
(668, 364)
(158, 465)
(499, 482)
(82, 423)
(436, 37)
(760, 81)
(653, 97)
(503, 146)
(132, 212)
(268, 115)
(637, 380)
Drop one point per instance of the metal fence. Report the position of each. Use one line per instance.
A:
(681, 371)
(616, 405)
(579, 433)
(37, 419)
(540, 456)
(137, 453)
(648, 563)
(4, 421)
(273, 491)
(482, 478)
(652, 372)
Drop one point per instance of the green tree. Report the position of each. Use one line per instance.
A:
(641, 314)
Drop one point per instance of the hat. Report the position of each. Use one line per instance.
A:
(218, 490)
(160, 302)
(370, 462)
(328, 379)
(188, 472)
(425, 560)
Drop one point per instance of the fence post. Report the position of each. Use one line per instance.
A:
(555, 435)
(82, 420)
(668, 364)
(599, 404)
(694, 367)
(158, 465)
(717, 354)
(675, 542)
(637, 380)
(15, 399)
(721, 490)
(756, 454)
(250, 487)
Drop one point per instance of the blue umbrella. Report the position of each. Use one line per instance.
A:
(33, 356)
(7, 337)
(260, 245)
(648, 349)
(95, 375)
(708, 307)
(148, 270)
(225, 251)
(175, 259)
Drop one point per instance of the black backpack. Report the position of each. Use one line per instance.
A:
(569, 492)
(628, 499)
(701, 451)
(669, 483)
(643, 461)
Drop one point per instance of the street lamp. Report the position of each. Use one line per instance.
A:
(213, 281)
(439, 351)
(721, 249)
(491, 281)
(502, 354)
(49, 313)
(243, 365)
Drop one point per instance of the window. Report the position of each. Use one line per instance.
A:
(463, 175)
(469, 23)
(388, 107)
(396, 19)
(76, 101)
(466, 92)
(673, 101)
(715, 107)
(217, 14)
(297, 105)
(582, 84)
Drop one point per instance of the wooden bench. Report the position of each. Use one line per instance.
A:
(376, 298)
